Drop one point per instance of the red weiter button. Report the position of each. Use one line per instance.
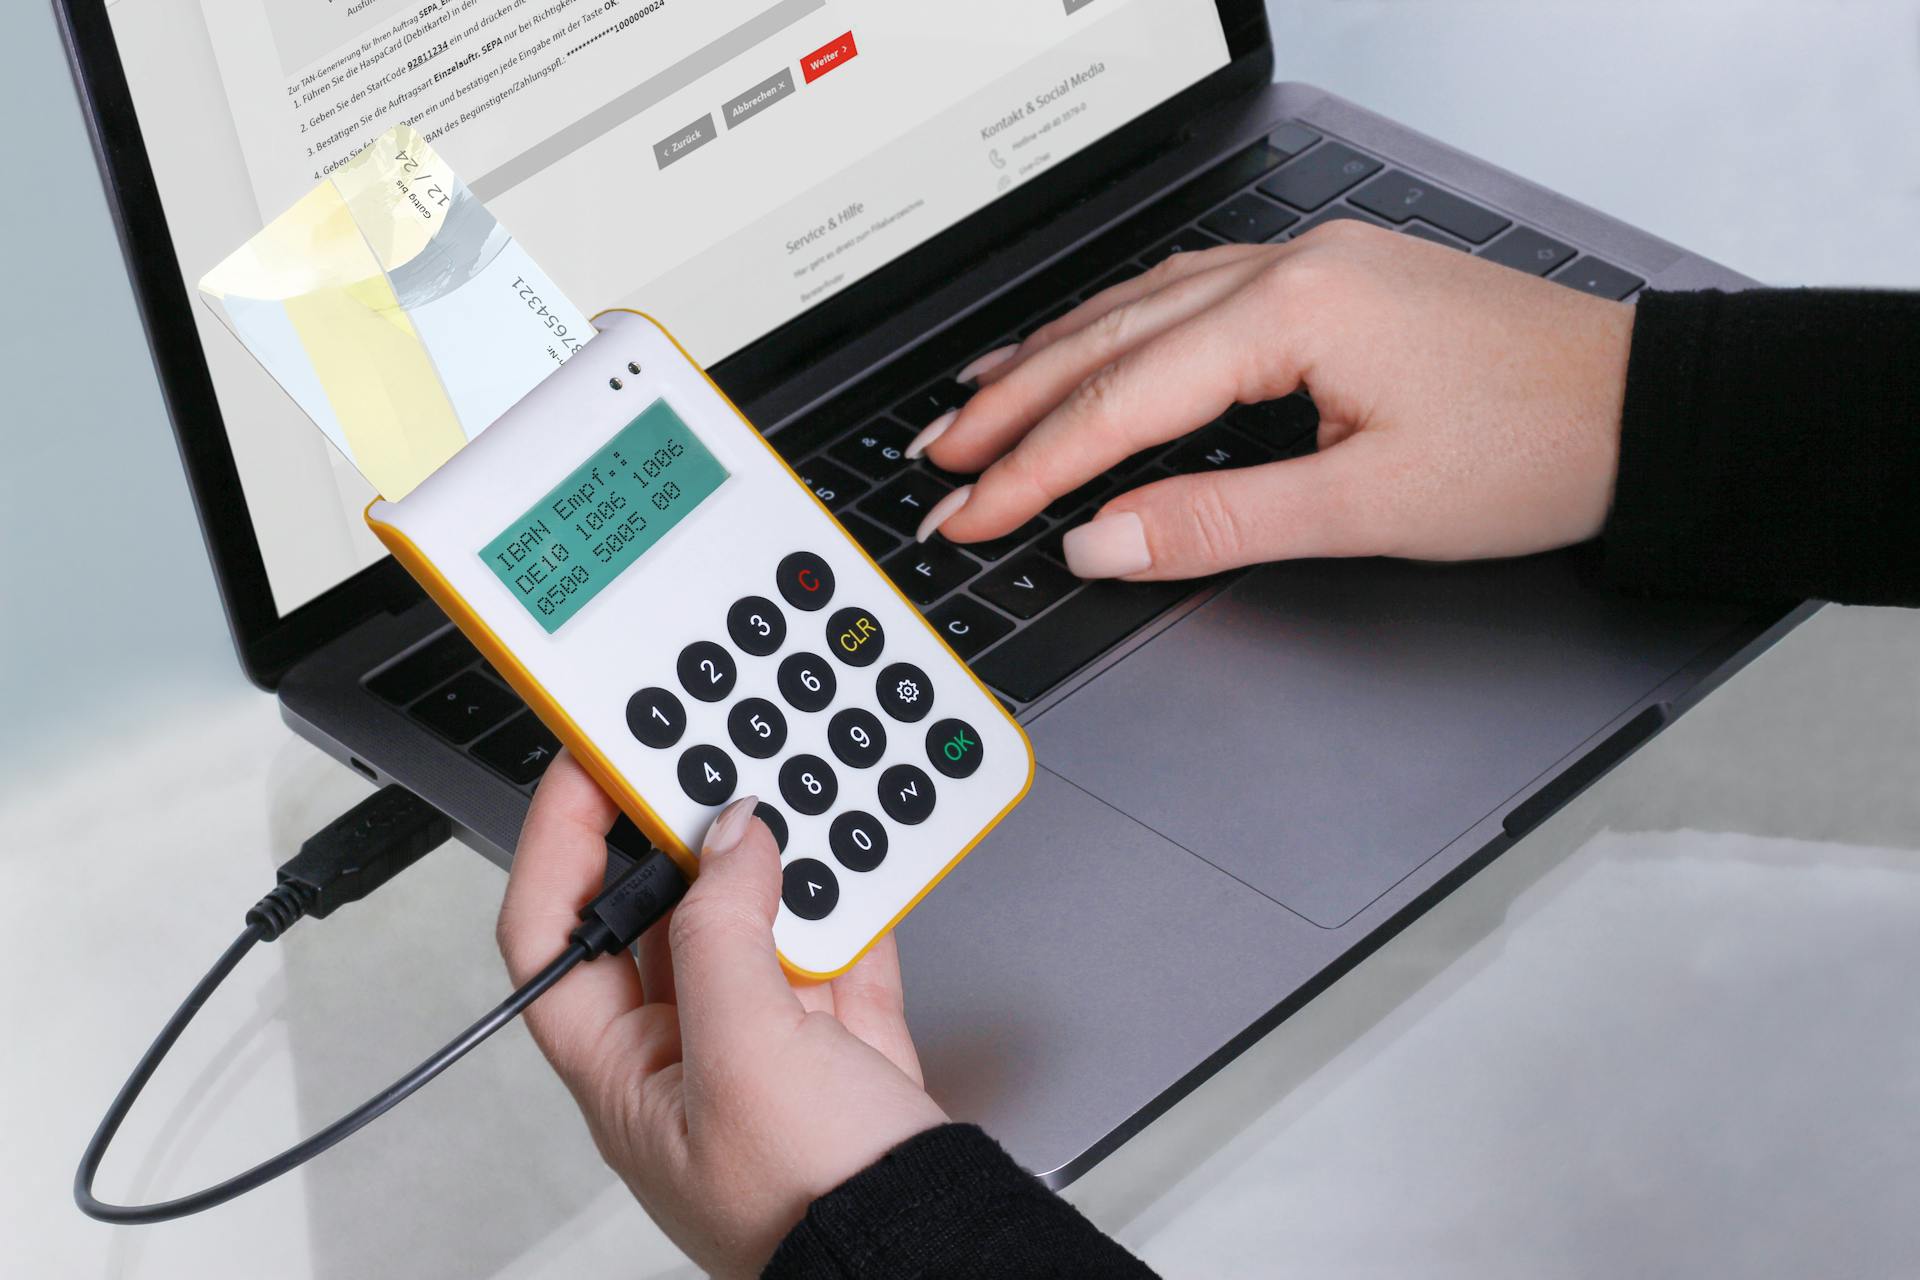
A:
(827, 57)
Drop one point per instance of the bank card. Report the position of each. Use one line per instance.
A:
(393, 308)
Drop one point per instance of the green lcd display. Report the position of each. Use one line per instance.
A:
(604, 516)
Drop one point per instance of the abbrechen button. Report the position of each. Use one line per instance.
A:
(809, 889)
(954, 748)
(805, 580)
(854, 636)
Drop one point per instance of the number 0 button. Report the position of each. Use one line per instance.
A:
(808, 785)
(706, 671)
(809, 889)
(756, 625)
(954, 748)
(806, 682)
(656, 717)
(757, 728)
(858, 841)
(707, 774)
(806, 581)
(904, 691)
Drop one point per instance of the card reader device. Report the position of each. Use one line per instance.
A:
(631, 556)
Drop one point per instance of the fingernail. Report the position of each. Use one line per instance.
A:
(942, 511)
(1110, 547)
(931, 432)
(988, 363)
(730, 828)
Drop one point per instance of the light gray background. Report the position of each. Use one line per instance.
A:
(1673, 1033)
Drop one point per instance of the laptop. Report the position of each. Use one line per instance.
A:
(1247, 783)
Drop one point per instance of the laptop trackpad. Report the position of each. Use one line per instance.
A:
(1322, 728)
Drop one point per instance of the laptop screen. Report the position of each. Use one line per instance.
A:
(722, 165)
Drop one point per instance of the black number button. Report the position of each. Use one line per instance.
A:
(757, 728)
(808, 785)
(905, 692)
(707, 671)
(805, 581)
(857, 738)
(809, 889)
(806, 682)
(906, 793)
(756, 625)
(954, 748)
(858, 840)
(854, 636)
(707, 774)
(656, 717)
(776, 823)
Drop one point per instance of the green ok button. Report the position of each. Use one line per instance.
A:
(954, 748)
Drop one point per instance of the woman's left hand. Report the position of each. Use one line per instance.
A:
(726, 1098)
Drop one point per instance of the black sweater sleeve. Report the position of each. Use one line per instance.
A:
(1770, 448)
(948, 1203)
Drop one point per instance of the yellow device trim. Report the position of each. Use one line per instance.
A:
(594, 760)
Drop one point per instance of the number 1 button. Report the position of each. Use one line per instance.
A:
(656, 717)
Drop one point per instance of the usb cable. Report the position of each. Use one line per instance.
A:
(350, 858)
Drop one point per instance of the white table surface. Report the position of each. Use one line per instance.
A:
(1674, 1032)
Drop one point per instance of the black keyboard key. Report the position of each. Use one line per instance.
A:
(1421, 231)
(805, 580)
(1086, 495)
(465, 707)
(1006, 544)
(1320, 175)
(1215, 448)
(806, 682)
(928, 571)
(1525, 249)
(706, 671)
(930, 402)
(425, 667)
(1131, 271)
(521, 749)
(1339, 213)
(1026, 586)
(968, 626)
(1401, 197)
(1080, 630)
(1190, 240)
(757, 727)
(877, 450)
(1275, 423)
(953, 747)
(904, 503)
(878, 542)
(1602, 279)
(857, 840)
(1291, 139)
(1249, 219)
(832, 483)
(1051, 314)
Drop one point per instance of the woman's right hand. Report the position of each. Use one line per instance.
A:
(1466, 410)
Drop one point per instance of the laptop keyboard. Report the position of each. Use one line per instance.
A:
(1009, 607)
